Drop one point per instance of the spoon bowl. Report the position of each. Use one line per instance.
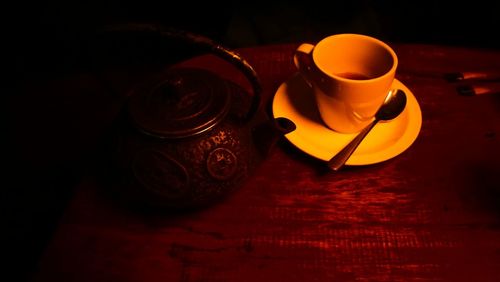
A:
(392, 107)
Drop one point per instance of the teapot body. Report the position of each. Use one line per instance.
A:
(188, 137)
(184, 173)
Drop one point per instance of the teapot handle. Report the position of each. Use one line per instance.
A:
(209, 45)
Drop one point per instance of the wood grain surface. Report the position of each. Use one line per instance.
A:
(430, 214)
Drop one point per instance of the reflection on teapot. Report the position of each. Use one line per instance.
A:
(188, 137)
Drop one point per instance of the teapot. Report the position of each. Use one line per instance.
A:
(188, 137)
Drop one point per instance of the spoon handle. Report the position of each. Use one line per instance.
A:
(338, 161)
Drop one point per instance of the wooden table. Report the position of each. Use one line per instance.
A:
(430, 214)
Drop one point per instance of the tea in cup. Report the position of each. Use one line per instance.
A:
(350, 74)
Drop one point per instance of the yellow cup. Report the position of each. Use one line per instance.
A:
(350, 74)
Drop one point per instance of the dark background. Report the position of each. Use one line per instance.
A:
(54, 29)
(43, 40)
(244, 23)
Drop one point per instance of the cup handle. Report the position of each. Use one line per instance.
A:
(302, 58)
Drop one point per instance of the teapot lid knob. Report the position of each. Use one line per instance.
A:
(182, 102)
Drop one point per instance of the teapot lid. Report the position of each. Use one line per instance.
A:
(183, 102)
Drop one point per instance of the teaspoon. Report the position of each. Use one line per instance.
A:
(393, 105)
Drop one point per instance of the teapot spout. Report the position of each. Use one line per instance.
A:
(267, 134)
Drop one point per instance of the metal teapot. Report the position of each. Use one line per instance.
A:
(189, 137)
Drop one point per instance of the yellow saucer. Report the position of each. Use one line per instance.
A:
(295, 101)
